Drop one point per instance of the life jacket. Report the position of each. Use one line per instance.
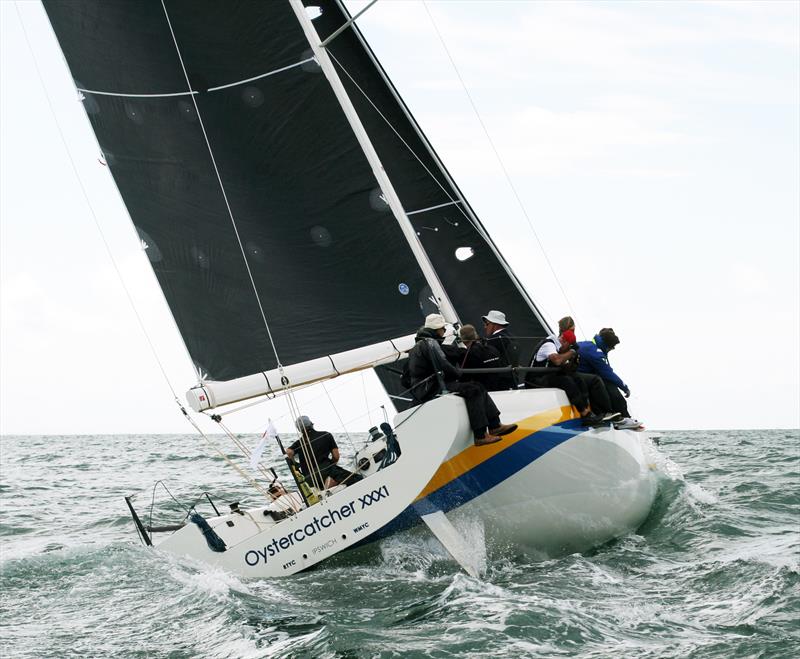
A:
(542, 362)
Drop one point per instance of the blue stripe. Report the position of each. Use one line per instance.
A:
(485, 476)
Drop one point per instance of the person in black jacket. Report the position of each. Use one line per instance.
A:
(322, 469)
(495, 327)
(478, 355)
(430, 374)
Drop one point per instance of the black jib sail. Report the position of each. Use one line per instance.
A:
(472, 271)
(252, 195)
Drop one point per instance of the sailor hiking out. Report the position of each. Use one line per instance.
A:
(429, 374)
(593, 359)
(559, 353)
(495, 328)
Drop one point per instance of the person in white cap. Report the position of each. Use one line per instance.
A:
(428, 374)
(495, 329)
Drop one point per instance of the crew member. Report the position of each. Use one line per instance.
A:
(430, 374)
(595, 386)
(557, 353)
(495, 328)
(593, 358)
(322, 470)
(475, 354)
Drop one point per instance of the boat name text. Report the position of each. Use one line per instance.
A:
(316, 525)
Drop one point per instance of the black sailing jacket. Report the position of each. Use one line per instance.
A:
(505, 344)
(424, 360)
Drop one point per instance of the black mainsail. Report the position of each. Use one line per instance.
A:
(253, 196)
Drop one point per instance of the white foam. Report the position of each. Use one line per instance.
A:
(206, 579)
(697, 493)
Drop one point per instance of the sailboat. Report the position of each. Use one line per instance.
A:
(301, 226)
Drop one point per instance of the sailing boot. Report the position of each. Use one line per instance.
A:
(503, 429)
(486, 440)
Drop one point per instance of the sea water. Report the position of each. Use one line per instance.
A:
(713, 572)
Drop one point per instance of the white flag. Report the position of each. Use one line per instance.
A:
(269, 433)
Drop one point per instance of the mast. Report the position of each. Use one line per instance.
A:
(392, 199)
(435, 156)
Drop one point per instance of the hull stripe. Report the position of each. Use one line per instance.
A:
(473, 456)
(523, 450)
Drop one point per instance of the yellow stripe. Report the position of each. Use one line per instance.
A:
(472, 456)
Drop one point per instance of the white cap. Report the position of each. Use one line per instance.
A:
(435, 321)
(496, 317)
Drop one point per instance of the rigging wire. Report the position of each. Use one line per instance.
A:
(255, 484)
(222, 189)
(246, 452)
(92, 211)
(110, 253)
(453, 201)
(502, 164)
(339, 416)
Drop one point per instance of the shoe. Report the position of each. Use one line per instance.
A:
(503, 429)
(627, 424)
(612, 416)
(486, 440)
(592, 419)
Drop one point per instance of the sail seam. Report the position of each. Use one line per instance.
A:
(263, 75)
(99, 93)
(222, 188)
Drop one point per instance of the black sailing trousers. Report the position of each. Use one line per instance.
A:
(482, 411)
(575, 388)
(598, 394)
(618, 402)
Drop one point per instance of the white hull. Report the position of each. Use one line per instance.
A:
(551, 486)
(592, 488)
(257, 546)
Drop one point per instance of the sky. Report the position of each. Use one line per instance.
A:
(639, 169)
